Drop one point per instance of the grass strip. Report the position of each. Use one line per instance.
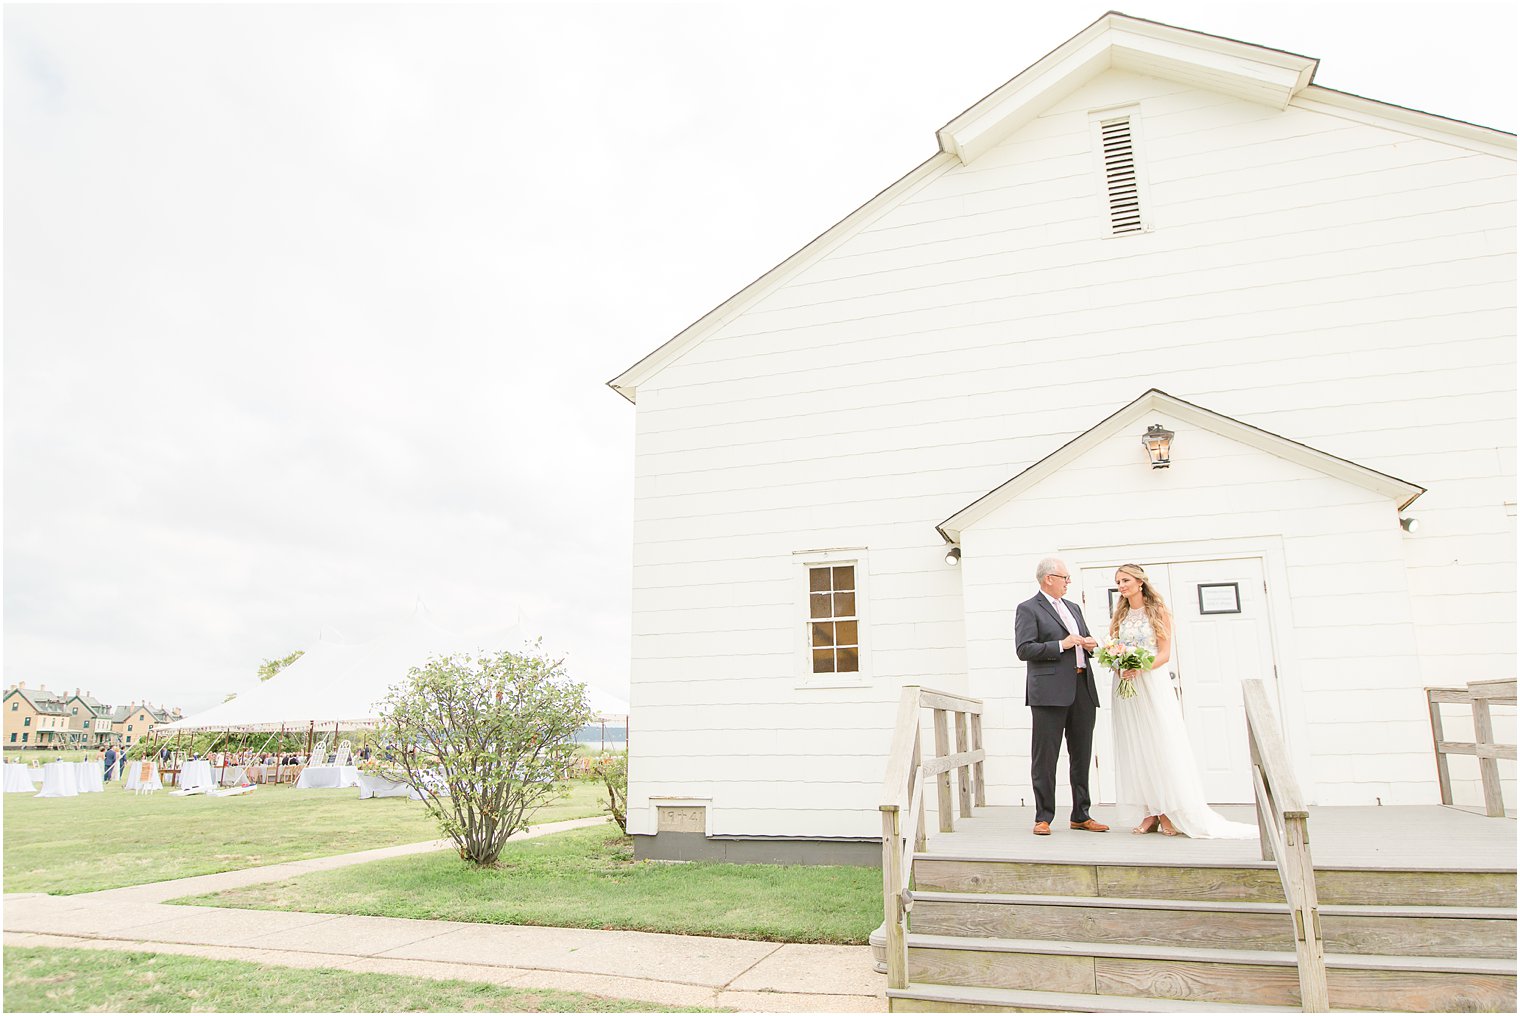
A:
(87, 980)
(586, 878)
(105, 841)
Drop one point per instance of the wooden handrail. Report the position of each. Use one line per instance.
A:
(1283, 818)
(1479, 695)
(902, 797)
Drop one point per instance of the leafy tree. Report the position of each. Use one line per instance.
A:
(614, 772)
(269, 668)
(495, 731)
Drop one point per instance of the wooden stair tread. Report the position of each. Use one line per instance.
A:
(1219, 906)
(1184, 954)
(1060, 1001)
(1386, 868)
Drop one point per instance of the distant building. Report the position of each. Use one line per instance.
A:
(39, 718)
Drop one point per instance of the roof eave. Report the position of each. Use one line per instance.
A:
(1402, 492)
(1245, 70)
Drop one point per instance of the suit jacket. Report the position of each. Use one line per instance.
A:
(1051, 672)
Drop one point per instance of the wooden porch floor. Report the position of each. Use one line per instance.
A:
(1411, 837)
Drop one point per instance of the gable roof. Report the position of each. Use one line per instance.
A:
(39, 699)
(1248, 71)
(1401, 492)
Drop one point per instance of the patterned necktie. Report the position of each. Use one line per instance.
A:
(1071, 627)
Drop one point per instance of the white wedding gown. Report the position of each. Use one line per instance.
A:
(1156, 770)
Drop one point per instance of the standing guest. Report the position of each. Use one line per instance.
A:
(1052, 639)
(108, 756)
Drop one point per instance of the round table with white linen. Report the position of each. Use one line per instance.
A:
(328, 777)
(196, 774)
(90, 777)
(133, 777)
(17, 779)
(59, 779)
(373, 785)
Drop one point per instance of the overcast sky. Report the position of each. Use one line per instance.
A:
(309, 310)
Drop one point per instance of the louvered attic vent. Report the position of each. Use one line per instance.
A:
(1120, 175)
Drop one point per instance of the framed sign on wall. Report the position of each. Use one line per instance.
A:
(1219, 598)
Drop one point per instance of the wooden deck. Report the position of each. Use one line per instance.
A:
(1419, 837)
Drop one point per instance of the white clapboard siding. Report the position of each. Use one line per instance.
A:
(1346, 284)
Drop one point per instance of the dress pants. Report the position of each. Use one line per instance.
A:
(1075, 723)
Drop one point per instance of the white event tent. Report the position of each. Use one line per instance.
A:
(341, 684)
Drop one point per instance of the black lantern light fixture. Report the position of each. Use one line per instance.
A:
(1158, 445)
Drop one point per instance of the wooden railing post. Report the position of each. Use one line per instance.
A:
(1298, 869)
(941, 749)
(978, 778)
(1479, 696)
(1438, 734)
(963, 773)
(1262, 816)
(904, 802)
(1283, 821)
(921, 827)
(893, 881)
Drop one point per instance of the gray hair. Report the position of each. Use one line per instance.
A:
(1049, 566)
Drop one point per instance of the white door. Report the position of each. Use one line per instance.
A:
(1223, 636)
(1220, 611)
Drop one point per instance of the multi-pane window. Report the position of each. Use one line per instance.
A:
(26, 721)
(833, 624)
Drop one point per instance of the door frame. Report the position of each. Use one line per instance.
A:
(1286, 694)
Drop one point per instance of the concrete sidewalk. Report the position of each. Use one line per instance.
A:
(677, 970)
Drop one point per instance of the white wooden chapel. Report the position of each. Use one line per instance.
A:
(1312, 290)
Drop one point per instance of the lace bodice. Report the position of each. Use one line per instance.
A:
(1136, 628)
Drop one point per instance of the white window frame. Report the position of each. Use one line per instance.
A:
(859, 557)
(1095, 119)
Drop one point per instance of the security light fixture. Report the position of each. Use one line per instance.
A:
(953, 556)
(1409, 524)
(1158, 445)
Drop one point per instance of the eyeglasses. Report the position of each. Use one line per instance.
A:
(1064, 578)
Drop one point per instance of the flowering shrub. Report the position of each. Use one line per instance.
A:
(484, 740)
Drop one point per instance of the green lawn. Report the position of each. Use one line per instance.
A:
(84, 980)
(102, 841)
(587, 878)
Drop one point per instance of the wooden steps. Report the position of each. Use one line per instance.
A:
(1232, 976)
(992, 934)
(943, 998)
(1259, 883)
(1392, 930)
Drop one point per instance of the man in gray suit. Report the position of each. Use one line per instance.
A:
(1053, 641)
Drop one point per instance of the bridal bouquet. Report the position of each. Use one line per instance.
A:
(1122, 656)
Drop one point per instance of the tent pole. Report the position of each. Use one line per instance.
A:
(311, 732)
(279, 753)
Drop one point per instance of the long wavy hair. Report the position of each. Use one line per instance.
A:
(1155, 606)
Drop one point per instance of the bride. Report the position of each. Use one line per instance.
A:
(1157, 775)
